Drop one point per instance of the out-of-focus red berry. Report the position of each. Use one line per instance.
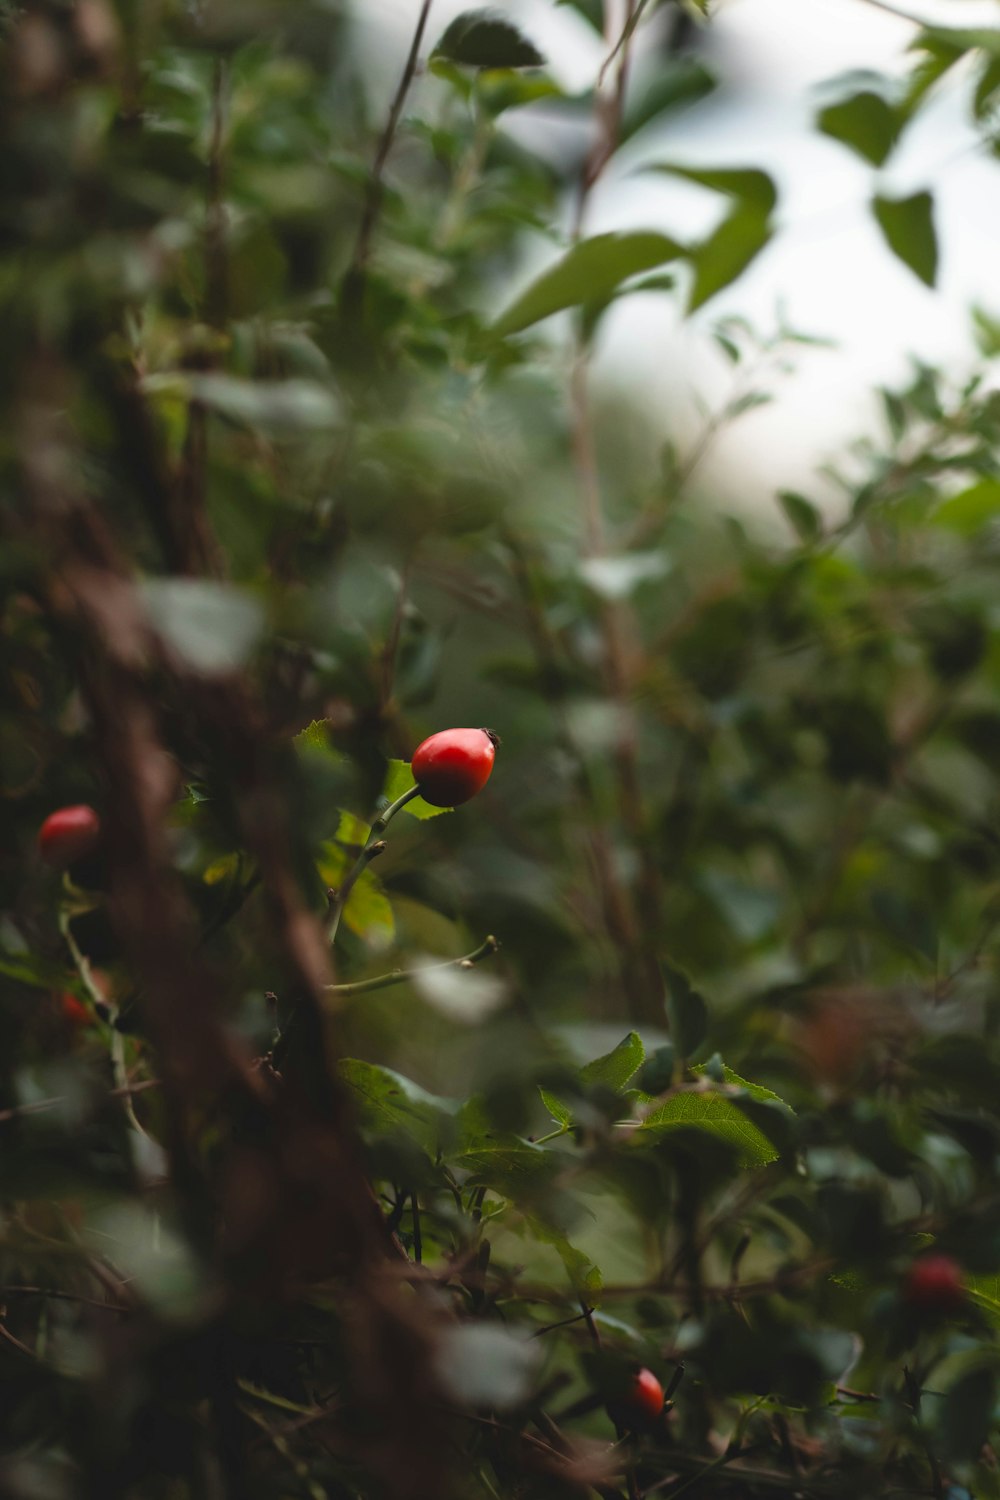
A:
(68, 834)
(933, 1284)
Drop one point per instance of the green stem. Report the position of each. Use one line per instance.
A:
(486, 949)
(553, 1135)
(385, 818)
(107, 1013)
(372, 849)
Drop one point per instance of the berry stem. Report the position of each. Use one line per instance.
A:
(386, 817)
(374, 847)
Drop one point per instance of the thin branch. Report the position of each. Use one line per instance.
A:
(373, 203)
(373, 848)
(486, 949)
(900, 15)
(16, 1111)
(56, 1294)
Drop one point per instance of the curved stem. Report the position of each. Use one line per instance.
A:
(372, 849)
(486, 949)
(386, 817)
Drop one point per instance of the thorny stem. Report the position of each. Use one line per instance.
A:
(486, 949)
(373, 204)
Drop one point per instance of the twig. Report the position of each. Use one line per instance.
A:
(486, 949)
(58, 1295)
(40, 1105)
(373, 203)
(372, 849)
(901, 15)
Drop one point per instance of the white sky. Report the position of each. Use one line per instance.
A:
(827, 266)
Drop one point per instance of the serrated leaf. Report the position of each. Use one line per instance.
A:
(590, 272)
(398, 779)
(483, 39)
(755, 1090)
(907, 225)
(615, 1068)
(560, 1112)
(500, 1160)
(718, 1116)
(389, 1102)
(865, 122)
(316, 737)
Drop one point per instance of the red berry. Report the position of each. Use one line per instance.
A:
(74, 1010)
(68, 834)
(453, 765)
(645, 1396)
(934, 1284)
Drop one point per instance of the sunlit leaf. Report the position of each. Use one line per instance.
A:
(866, 122)
(590, 272)
(908, 227)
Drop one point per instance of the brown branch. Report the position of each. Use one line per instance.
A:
(373, 202)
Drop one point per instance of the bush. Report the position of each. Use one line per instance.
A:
(356, 1147)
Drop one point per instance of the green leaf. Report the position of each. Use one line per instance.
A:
(683, 81)
(908, 227)
(727, 252)
(483, 39)
(801, 515)
(277, 408)
(315, 736)
(687, 1010)
(501, 1160)
(591, 10)
(724, 256)
(590, 272)
(865, 122)
(985, 1293)
(718, 1116)
(28, 969)
(368, 913)
(584, 1275)
(388, 1102)
(399, 779)
(970, 510)
(748, 184)
(560, 1112)
(615, 1068)
(756, 1091)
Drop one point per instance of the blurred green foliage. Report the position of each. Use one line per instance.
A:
(736, 1062)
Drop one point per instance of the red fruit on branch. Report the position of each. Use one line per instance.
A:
(68, 834)
(645, 1397)
(933, 1284)
(453, 765)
